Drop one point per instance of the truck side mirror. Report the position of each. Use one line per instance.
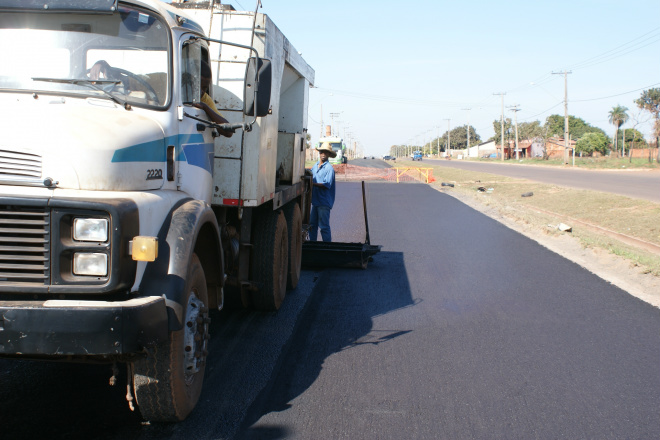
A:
(262, 95)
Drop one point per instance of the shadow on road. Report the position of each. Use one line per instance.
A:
(61, 400)
(339, 316)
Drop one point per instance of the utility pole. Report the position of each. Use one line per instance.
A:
(623, 148)
(502, 123)
(467, 150)
(515, 110)
(332, 121)
(565, 73)
(448, 138)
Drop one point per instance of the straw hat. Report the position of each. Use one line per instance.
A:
(325, 146)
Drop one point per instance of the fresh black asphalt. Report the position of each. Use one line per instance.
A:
(460, 328)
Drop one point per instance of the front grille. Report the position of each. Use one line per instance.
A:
(24, 250)
(19, 165)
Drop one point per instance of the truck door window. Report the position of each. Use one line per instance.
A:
(191, 57)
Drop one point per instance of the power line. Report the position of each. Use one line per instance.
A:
(619, 50)
(614, 96)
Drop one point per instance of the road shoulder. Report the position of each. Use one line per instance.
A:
(610, 267)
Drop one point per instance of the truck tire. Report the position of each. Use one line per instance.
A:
(270, 261)
(169, 380)
(294, 227)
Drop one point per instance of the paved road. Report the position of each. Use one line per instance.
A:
(636, 184)
(372, 163)
(445, 335)
(456, 335)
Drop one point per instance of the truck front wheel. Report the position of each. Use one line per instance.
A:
(169, 380)
(270, 261)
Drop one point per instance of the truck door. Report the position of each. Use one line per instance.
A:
(195, 139)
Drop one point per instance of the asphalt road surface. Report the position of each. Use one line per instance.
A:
(639, 184)
(460, 328)
(372, 163)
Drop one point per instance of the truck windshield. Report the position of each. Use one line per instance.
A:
(126, 51)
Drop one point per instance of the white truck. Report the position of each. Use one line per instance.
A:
(338, 146)
(124, 217)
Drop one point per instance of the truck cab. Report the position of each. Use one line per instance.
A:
(126, 216)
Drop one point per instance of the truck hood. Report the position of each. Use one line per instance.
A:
(91, 144)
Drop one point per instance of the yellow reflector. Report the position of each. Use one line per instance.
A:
(145, 248)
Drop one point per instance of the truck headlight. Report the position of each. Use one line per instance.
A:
(94, 264)
(90, 229)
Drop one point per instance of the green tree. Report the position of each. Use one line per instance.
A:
(458, 137)
(650, 101)
(530, 130)
(618, 117)
(632, 138)
(508, 131)
(577, 127)
(591, 142)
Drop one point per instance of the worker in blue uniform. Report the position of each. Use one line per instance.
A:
(323, 194)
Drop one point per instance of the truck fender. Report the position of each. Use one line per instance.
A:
(190, 227)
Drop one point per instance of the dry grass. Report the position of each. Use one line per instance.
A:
(598, 163)
(552, 204)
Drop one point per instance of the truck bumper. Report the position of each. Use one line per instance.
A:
(81, 328)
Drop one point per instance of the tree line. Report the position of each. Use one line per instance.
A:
(589, 139)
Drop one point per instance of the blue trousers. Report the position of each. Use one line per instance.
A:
(319, 218)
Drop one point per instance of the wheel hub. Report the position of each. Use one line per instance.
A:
(196, 335)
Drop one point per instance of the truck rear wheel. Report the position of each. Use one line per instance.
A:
(169, 380)
(270, 261)
(294, 226)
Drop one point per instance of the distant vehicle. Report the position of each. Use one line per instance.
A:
(417, 155)
(338, 147)
(389, 158)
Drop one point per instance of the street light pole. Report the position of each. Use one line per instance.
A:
(467, 150)
(448, 149)
(502, 123)
(515, 111)
(565, 73)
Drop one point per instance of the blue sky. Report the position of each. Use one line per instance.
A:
(397, 70)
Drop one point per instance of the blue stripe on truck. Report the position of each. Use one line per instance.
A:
(191, 149)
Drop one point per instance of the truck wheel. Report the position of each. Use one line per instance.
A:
(168, 381)
(270, 261)
(294, 227)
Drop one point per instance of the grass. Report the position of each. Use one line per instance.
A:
(552, 204)
(597, 163)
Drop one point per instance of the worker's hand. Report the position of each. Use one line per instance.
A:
(100, 70)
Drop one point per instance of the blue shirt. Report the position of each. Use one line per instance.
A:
(324, 174)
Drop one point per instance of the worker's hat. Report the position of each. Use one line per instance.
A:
(325, 146)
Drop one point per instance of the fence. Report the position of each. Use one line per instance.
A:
(394, 174)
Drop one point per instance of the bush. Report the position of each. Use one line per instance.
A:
(591, 142)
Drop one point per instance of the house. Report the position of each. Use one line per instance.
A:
(483, 149)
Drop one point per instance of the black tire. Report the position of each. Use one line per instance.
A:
(270, 261)
(294, 227)
(169, 380)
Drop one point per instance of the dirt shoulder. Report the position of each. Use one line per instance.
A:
(634, 278)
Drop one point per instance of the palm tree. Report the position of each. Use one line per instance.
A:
(618, 117)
